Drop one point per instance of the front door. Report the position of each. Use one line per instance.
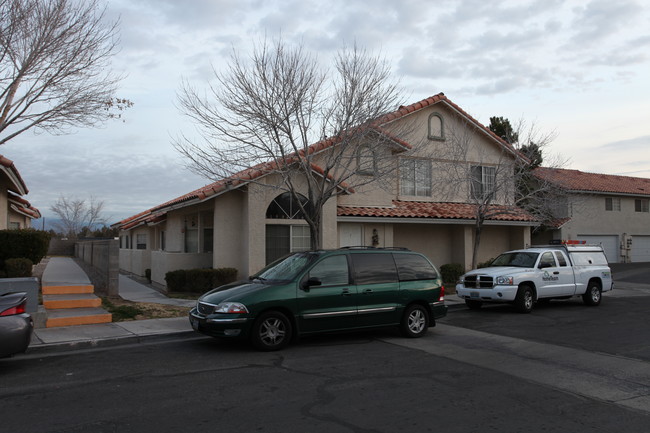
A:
(331, 305)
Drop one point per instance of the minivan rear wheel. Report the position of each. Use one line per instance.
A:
(271, 331)
(415, 321)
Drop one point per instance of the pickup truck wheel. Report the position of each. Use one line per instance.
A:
(524, 300)
(473, 305)
(593, 295)
(415, 322)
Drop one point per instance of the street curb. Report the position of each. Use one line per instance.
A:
(69, 346)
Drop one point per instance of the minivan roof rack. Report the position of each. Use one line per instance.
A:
(365, 247)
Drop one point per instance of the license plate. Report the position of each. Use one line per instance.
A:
(474, 295)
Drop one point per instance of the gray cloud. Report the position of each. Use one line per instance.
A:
(636, 143)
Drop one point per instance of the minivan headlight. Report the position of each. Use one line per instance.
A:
(231, 308)
(505, 281)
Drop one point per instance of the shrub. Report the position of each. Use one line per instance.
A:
(28, 243)
(18, 268)
(485, 264)
(147, 274)
(451, 272)
(199, 280)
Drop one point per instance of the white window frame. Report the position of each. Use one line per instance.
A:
(642, 205)
(415, 177)
(484, 187)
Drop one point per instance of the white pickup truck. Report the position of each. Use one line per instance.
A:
(538, 274)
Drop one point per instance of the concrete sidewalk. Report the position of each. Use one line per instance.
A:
(64, 271)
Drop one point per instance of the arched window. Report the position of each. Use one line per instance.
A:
(366, 162)
(436, 127)
(285, 206)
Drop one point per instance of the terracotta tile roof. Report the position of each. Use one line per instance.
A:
(417, 209)
(441, 98)
(23, 207)
(263, 169)
(235, 181)
(576, 180)
(19, 186)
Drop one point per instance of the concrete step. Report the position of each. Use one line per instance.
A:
(78, 300)
(68, 289)
(77, 316)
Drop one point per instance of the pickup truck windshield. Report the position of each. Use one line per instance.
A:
(518, 259)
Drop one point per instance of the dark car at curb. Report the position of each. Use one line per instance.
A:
(325, 291)
(16, 325)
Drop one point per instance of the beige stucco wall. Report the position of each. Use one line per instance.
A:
(231, 231)
(462, 142)
(589, 217)
(163, 262)
(4, 204)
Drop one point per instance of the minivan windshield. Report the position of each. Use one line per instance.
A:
(287, 268)
(517, 259)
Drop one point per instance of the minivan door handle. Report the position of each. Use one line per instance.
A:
(346, 292)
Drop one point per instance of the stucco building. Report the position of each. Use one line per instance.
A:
(609, 210)
(15, 211)
(246, 221)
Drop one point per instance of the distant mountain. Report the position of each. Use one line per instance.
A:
(48, 224)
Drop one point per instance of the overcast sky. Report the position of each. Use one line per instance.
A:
(578, 68)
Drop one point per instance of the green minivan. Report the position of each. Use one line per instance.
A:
(324, 291)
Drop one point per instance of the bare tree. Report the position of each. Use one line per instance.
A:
(77, 214)
(281, 112)
(496, 180)
(55, 66)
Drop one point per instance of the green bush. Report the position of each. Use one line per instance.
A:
(199, 280)
(451, 272)
(28, 243)
(18, 268)
(485, 264)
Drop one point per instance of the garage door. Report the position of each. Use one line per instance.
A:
(640, 249)
(608, 242)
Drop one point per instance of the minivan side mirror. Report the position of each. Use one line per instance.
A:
(313, 281)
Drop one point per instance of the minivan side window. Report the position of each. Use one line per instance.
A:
(331, 271)
(411, 267)
(373, 268)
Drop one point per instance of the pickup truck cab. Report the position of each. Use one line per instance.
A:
(523, 277)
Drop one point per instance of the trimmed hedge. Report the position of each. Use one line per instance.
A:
(27, 243)
(18, 268)
(199, 280)
(451, 272)
(485, 264)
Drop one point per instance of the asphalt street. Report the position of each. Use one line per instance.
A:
(563, 368)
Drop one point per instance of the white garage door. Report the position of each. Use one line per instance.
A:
(640, 249)
(608, 242)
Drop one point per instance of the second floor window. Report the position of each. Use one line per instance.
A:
(483, 182)
(415, 177)
(613, 204)
(641, 205)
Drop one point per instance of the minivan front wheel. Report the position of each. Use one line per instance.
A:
(271, 331)
(415, 321)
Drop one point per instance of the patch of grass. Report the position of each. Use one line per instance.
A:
(184, 295)
(121, 312)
